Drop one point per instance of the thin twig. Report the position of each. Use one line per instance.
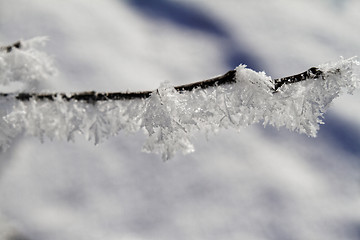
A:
(309, 74)
(92, 97)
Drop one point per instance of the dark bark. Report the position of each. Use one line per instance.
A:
(309, 74)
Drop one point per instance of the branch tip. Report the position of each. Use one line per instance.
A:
(9, 48)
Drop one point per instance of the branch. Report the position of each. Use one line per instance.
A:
(227, 78)
(92, 96)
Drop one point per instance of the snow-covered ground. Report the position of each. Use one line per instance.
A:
(260, 183)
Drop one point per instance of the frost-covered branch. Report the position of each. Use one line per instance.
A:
(170, 114)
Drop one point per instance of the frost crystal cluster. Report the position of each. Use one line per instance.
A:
(169, 117)
(25, 69)
(21, 70)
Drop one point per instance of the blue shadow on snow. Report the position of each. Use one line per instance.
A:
(183, 15)
(341, 134)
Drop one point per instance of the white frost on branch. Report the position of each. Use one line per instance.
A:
(170, 118)
(300, 106)
(21, 70)
(24, 69)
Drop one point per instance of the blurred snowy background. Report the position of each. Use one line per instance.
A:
(260, 183)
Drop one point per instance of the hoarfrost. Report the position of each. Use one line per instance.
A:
(164, 120)
(21, 70)
(300, 106)
(24, 69)
(170, 118)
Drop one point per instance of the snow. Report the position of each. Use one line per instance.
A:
(260, 184)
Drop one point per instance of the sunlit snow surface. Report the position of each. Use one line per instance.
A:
(260, 183)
